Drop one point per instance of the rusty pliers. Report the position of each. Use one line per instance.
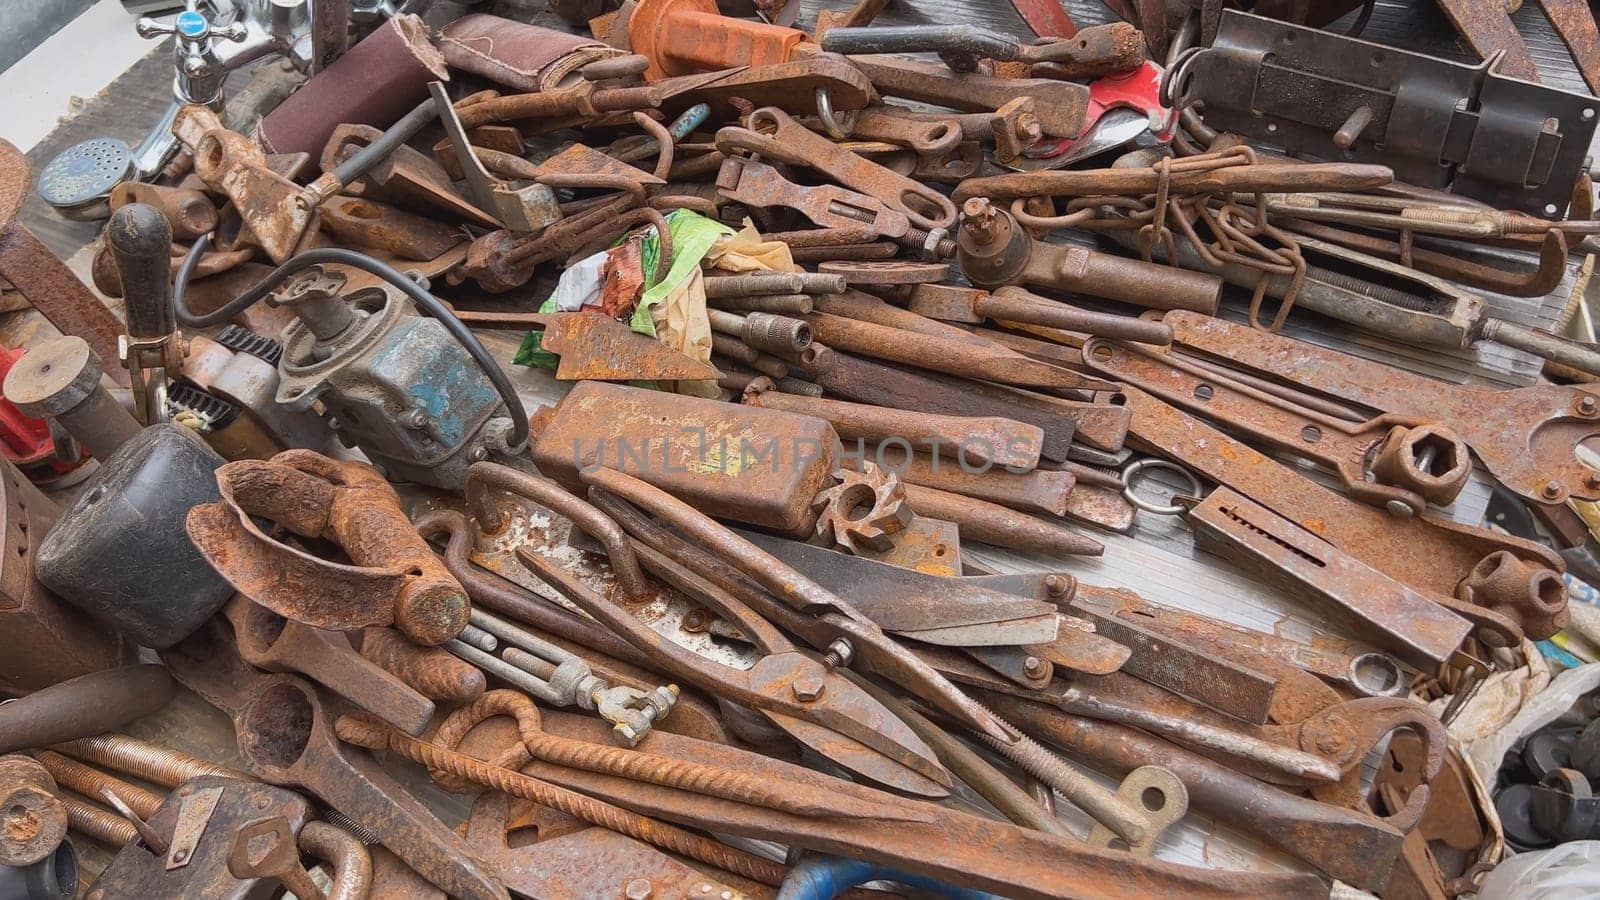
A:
(801, 695)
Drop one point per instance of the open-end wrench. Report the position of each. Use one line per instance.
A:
(285, 734)
(775, 134)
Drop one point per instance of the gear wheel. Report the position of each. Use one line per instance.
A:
(863, 510)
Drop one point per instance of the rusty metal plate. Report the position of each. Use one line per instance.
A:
(752, 465)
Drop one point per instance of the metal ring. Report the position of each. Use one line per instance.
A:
(1387, 667)
(830, 124)
(1150, 462)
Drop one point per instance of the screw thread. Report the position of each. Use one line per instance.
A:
(144, 760)
(105, 827)
(90, 782)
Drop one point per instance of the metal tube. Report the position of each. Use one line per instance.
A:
(1551, 347)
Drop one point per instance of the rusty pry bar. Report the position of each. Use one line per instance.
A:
(273, 643)
(394, 577)
(1092, 52)
(985, 441)
(1526, 437)
(798, 592)
(1397, 462)
(44, 279)
(1349, 845)
(798, 694)
(285, 734)
(955, 847)
(83, 706)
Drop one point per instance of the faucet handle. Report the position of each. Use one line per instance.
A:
(192, 27)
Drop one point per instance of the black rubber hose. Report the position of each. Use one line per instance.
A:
(425, 301)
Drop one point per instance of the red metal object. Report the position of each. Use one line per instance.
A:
(24, 440)
(1047, 18)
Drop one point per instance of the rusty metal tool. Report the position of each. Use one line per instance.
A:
(993, 249)
(869, 381)
(774, 134)
(377, 227)
(273, 643)
(1352, 846)
(189, 212)
(956, 357)
(1042, 491)
(986, 441)
(1390, 614)
(654, 544)
(915, 605)
(835, 624)
(955, 847)
(1526, 437)
(1242, 177)
(267, 848)
(1001, 526)
(286, 737)
(1435, 556)
(1368, 674)
(186, 842)
(1173, 661)
(44, 279)
(1098, 50)
(83, 706)
(1061, 106)
(756, 283)
(596, 347)
(394, 577)
(431, 672)
(1488, 29)
(1397, 462)
(580, 861)
(755, 183)
(958, 304)
(522, 210)
(796, 693)
(235, 165)
(404, 177)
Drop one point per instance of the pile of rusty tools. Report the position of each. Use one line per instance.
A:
(660, 451)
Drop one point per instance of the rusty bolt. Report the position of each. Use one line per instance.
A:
(1551, 490)
(808, 686)
(1057, 585)
(637, 889)
(1588, 406)
(1033, 666)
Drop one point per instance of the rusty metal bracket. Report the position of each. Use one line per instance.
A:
(394, 576)
(1472, 129)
